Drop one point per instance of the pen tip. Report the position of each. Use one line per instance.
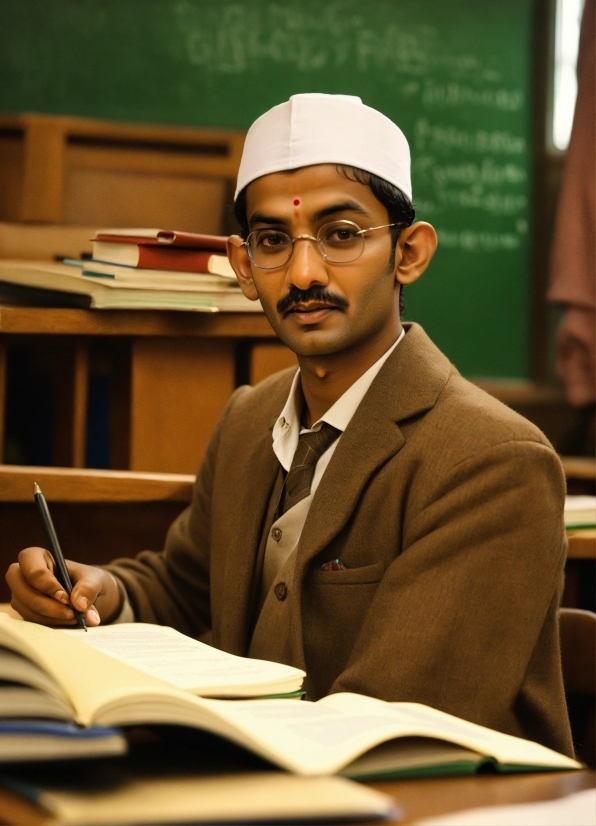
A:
(36, 488)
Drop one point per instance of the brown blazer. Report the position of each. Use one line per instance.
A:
(446, 509)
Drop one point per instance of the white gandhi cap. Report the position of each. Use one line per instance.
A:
(316, 128)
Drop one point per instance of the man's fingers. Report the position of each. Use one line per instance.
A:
(37, 567)
(39, 597)
(87, 585)
(28, 613)
(35, 606)
(92, 617)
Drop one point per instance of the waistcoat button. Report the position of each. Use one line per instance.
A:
(281, 590)
(276, 534)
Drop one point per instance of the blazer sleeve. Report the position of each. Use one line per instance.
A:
(171, 587)
(465, 617)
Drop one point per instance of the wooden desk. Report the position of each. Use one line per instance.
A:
(582, 544)
(426, 798)
(579, 467)
(419, 799)
(171, 375)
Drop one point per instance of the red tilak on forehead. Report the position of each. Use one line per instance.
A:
(296, 201)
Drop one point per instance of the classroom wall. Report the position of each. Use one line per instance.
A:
(454, 74)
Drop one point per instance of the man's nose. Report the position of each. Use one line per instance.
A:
(306, 266)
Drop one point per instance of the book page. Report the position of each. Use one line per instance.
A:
(189, 664)
(420, 720)
(324, 737)
(90, 679)
(15, 668)
(22, 702)
(409, 753)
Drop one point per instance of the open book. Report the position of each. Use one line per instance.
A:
(302, 737)
(156, 650)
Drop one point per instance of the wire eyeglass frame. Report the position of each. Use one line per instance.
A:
(319, 240)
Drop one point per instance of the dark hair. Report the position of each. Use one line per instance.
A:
(399, 207)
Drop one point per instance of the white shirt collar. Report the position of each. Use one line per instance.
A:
(287, 428)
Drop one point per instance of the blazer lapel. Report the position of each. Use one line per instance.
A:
(408, 384)
(353, 463)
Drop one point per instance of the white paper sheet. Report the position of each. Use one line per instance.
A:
(577, 809)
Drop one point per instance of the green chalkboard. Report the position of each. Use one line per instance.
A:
(454, 74)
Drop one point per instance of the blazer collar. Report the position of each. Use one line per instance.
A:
(411, 380)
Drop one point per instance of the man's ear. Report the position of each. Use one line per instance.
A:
(241, 265)
(415, 248)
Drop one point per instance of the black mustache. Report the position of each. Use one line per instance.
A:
(318, 294)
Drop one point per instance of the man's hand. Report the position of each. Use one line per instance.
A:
(38, 596)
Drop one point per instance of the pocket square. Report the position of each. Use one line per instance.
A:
(333, 565)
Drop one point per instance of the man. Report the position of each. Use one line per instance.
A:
(373, 517)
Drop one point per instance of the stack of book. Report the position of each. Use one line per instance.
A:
(173, 774)
(140, 674)
(210, 733)
(36, 689)
(134, 269)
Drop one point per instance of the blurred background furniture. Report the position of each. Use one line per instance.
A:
(132, 390)
(580, 574)
(148, 385)
(99, 515)
(67, 170)
(578, 652)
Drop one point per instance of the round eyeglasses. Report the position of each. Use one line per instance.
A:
(339, 242)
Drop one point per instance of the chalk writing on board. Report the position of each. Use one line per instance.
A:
(498, 189)
(492, 202)
(444, 137)
(240, 37)
(444, 95)
(478, 241)
(487, 173)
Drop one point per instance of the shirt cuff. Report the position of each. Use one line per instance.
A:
(126, 613)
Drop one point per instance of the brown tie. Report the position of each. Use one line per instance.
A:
(310, 448)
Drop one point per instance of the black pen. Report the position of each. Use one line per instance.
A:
(61, 571)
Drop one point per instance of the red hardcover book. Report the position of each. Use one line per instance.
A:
(151, 257)
(163, 237)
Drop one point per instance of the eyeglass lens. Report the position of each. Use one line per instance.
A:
(339, 242)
